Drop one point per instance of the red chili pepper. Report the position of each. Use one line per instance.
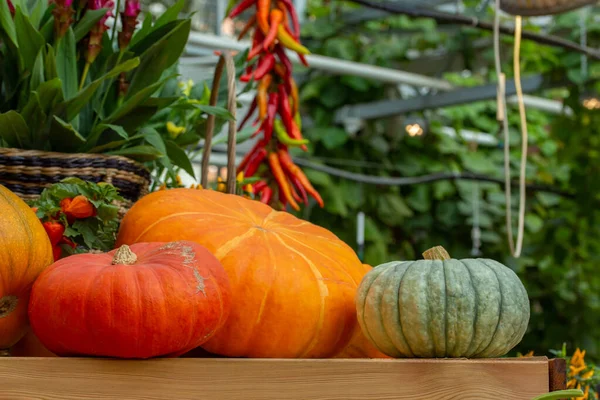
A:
(295, 171)
(275, 19)
(248, 115)
(287, 117)
(282, 180)
(295, 21)
(55, 231)
(301, 189)
(255, 162)
(248, 74)
(303, 59)
(295, 97)
(248, 156)
(284, 59)
(68, 242)
(262, 15)
(257, 47)
(251, 22)
(266, 195)
(295, 194)
(265, 65)
(269, 122)
(261, 95)
(240, 8)
(56, 252)
(259, 186)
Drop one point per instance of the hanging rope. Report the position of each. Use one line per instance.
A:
(515, 249)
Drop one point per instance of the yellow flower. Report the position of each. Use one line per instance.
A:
(530, 354)
(249, 189)
(572, 383)
(576, 370)
(221, 187)
(586, 394)
(186, 87)
(588, 375)
(174, 130)
(162, 187)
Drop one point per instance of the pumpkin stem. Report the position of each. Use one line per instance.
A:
(124, 256)
(436, 253)
(4, 352)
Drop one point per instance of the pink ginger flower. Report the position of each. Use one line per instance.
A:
(129, 22)
(96, 33)
(63, 16)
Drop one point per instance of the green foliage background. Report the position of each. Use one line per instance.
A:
(561, 256)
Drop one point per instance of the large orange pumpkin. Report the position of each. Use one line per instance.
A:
(25, 251)
(293, 283)
(150, 300)
(360, 346)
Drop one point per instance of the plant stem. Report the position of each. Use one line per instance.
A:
(86, 69)
(112, 36)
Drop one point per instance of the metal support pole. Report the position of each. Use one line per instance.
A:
(221, 5)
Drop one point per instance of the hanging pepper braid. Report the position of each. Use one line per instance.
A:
(277, 180)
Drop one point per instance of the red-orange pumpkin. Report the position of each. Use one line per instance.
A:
(153, 299)
(360, 346)
(293, 283)
(25, 251)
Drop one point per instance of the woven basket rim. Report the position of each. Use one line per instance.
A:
(54, 154)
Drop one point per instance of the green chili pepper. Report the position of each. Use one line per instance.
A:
(284, 137)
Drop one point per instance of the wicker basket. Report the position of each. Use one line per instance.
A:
(28, 172)
(530, 8)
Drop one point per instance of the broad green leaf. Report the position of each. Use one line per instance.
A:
(37, 12)
(139, 153)
(90, 18)
(160, 56)
(152, 136)
(151, 38)
(7, 24)
(14, 130)
(63, 136)
(216, 111)
(29, 39)
(37, 73)
(170, 15)
(73, 106)
(134, 101)
(141, 33)
(332, 137)
(179, 158)
(47, 30)
(36, 118)
(143, 113)
(50, 95)
(66, 65)
(50, 63)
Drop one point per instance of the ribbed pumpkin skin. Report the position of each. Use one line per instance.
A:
(171, 300)
(359, 346)
(454, 308)
(25, 251)
(293, 283)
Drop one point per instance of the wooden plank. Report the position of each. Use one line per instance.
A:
(557, 368)
(272, 379)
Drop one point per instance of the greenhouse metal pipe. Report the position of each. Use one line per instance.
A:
(330, 64)
(334, 65)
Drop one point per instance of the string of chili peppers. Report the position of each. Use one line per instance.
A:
(276, 28)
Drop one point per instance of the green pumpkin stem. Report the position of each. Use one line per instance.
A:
(124, 256)
(436, 253)
(560, 394)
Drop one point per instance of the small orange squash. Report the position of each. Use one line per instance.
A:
(150, 300)
(25, 251)
(293, 283)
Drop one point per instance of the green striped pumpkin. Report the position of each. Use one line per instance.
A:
(442, 307)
